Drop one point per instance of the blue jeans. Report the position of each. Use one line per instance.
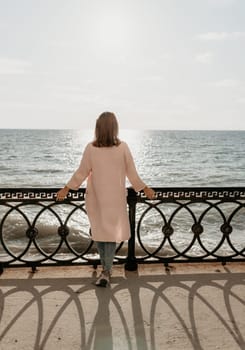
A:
(107, 252)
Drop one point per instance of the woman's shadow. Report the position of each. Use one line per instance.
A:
(101, 332)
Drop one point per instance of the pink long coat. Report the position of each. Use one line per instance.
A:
(106, 169)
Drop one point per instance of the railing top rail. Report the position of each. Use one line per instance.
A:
(162, 193)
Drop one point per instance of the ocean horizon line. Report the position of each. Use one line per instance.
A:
(123, 129)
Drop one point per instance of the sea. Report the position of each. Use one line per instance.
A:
(163, 158)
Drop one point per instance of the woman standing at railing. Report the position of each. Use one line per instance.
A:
(106, 162)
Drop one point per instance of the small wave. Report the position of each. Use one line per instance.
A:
(49, 171)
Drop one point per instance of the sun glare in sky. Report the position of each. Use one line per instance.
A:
(111, 32)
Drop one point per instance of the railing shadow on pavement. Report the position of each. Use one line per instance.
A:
(139, 311)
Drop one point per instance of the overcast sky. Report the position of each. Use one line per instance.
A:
(158, 64)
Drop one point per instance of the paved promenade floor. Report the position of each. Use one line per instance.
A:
(190, 306)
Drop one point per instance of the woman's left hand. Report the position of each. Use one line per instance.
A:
(149, 192)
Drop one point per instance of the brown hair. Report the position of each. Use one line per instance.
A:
(106, 131)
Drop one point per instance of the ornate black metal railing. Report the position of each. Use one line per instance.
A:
(179, 225)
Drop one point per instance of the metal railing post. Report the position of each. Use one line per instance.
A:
(131, 264)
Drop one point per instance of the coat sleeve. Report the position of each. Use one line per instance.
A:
(131, 171)
(82, 172)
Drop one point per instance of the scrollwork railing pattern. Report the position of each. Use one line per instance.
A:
(179, 225)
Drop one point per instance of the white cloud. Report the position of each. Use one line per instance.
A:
(204, 57)
(182, 104)
(62, 44)
(227, 83)
(241, 100)
(221, 35)
(13, 66)
(220, 3)
(151, 78)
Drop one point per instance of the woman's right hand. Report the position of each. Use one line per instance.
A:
(62, 193)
